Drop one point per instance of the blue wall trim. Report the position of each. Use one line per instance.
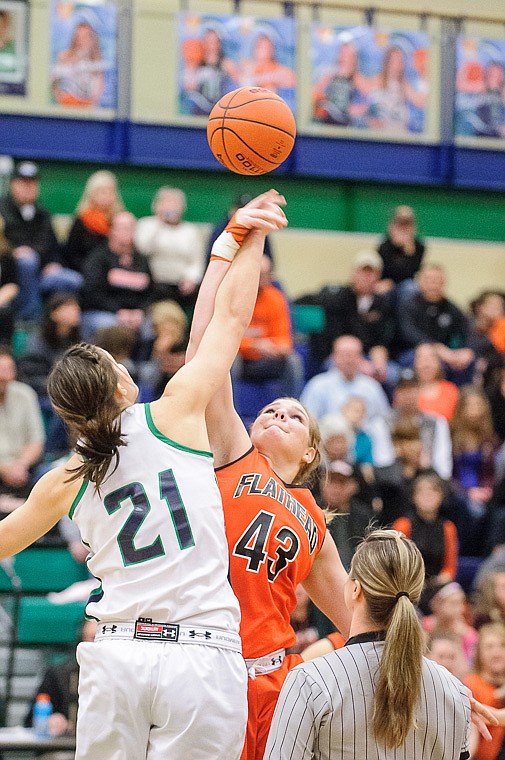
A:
(121, 141)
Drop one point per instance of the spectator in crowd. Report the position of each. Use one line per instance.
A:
(21, 435)
(29, 230)
(356, 309)
(435, 537)
(354, 412)
(117, 281)
(60, 682)
(170, 326)
(119, 341)
(474, 447)
(348, 516)
(489, 313)
(449, 616)
(337, 439)
(434, 430)
(327, 392)
(266, 351)
(98, 205)
(428, 316)
(401, 252)
(59, 329)
(437, 395)
(489, 602)
(238, 202)
(487, 682)
(9, 288)
(445, 648)
(174, 248)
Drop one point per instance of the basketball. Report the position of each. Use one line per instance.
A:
(251, 130)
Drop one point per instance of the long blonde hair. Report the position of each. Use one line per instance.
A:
(390, 570)
(96, 180)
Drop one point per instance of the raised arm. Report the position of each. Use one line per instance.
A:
(228, 437)
(206, 371)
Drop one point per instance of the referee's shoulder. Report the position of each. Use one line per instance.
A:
(444, 680)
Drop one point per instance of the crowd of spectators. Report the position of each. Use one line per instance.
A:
(408, 388)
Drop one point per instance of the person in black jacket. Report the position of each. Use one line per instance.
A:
(428, 316)
(117, 281)
(355, 309)
(401, 252)
(29, 230)
(8, 288)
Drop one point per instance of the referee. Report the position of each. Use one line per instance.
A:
(377, 697)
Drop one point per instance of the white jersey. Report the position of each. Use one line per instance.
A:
(156, 533)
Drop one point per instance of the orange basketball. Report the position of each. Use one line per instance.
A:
(251, 130)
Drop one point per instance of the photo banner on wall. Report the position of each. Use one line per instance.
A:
(13, 47)
(364, 78)
(83, 70)
(218, 53)
(480, 88)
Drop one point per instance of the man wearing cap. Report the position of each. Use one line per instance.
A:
(29, 230)
(401, 251)
(356, 309)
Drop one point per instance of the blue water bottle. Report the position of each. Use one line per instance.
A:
(42, 711)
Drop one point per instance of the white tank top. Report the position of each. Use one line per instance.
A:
(156, 533)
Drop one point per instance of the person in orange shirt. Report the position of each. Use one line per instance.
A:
(487, 685)
(266, 351)
(276, 533)
(436, 395)
(489, 312)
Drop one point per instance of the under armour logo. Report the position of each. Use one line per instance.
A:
(109, 628)
(204, 635)
(276, 660)
(169, 633)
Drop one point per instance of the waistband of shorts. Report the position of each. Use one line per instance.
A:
(166, 633)
(267, 664)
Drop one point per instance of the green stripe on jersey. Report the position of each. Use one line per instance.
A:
(77, 499)
(154, 430)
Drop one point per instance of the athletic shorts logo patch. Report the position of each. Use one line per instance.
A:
(109, 628)
(149, 631)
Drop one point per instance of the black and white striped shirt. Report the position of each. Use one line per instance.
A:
(326, 705)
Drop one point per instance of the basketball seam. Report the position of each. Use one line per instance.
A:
(223, 128)
(248, 146)
(253, 121)
(255, 100)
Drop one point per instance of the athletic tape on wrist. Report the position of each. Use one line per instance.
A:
(225, 247)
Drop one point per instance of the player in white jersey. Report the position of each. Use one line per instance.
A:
(164, 677)
(377, 697)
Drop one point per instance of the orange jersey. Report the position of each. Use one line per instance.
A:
(274, 533)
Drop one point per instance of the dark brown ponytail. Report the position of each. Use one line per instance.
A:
(81, 388)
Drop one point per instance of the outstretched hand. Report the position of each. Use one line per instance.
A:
(481, 717)
(263, 213)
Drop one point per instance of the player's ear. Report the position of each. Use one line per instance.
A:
(356, 590)
(120, 392)
(309, 455)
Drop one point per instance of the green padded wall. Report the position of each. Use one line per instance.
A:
(320, 204)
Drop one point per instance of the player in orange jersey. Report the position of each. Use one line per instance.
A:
(276, 533)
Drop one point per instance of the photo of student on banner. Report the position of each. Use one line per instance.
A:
(480, 87)
(13, 45)
(218, 53)
(368, 79)
(83, 53)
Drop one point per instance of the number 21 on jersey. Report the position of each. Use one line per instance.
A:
(135, 492)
